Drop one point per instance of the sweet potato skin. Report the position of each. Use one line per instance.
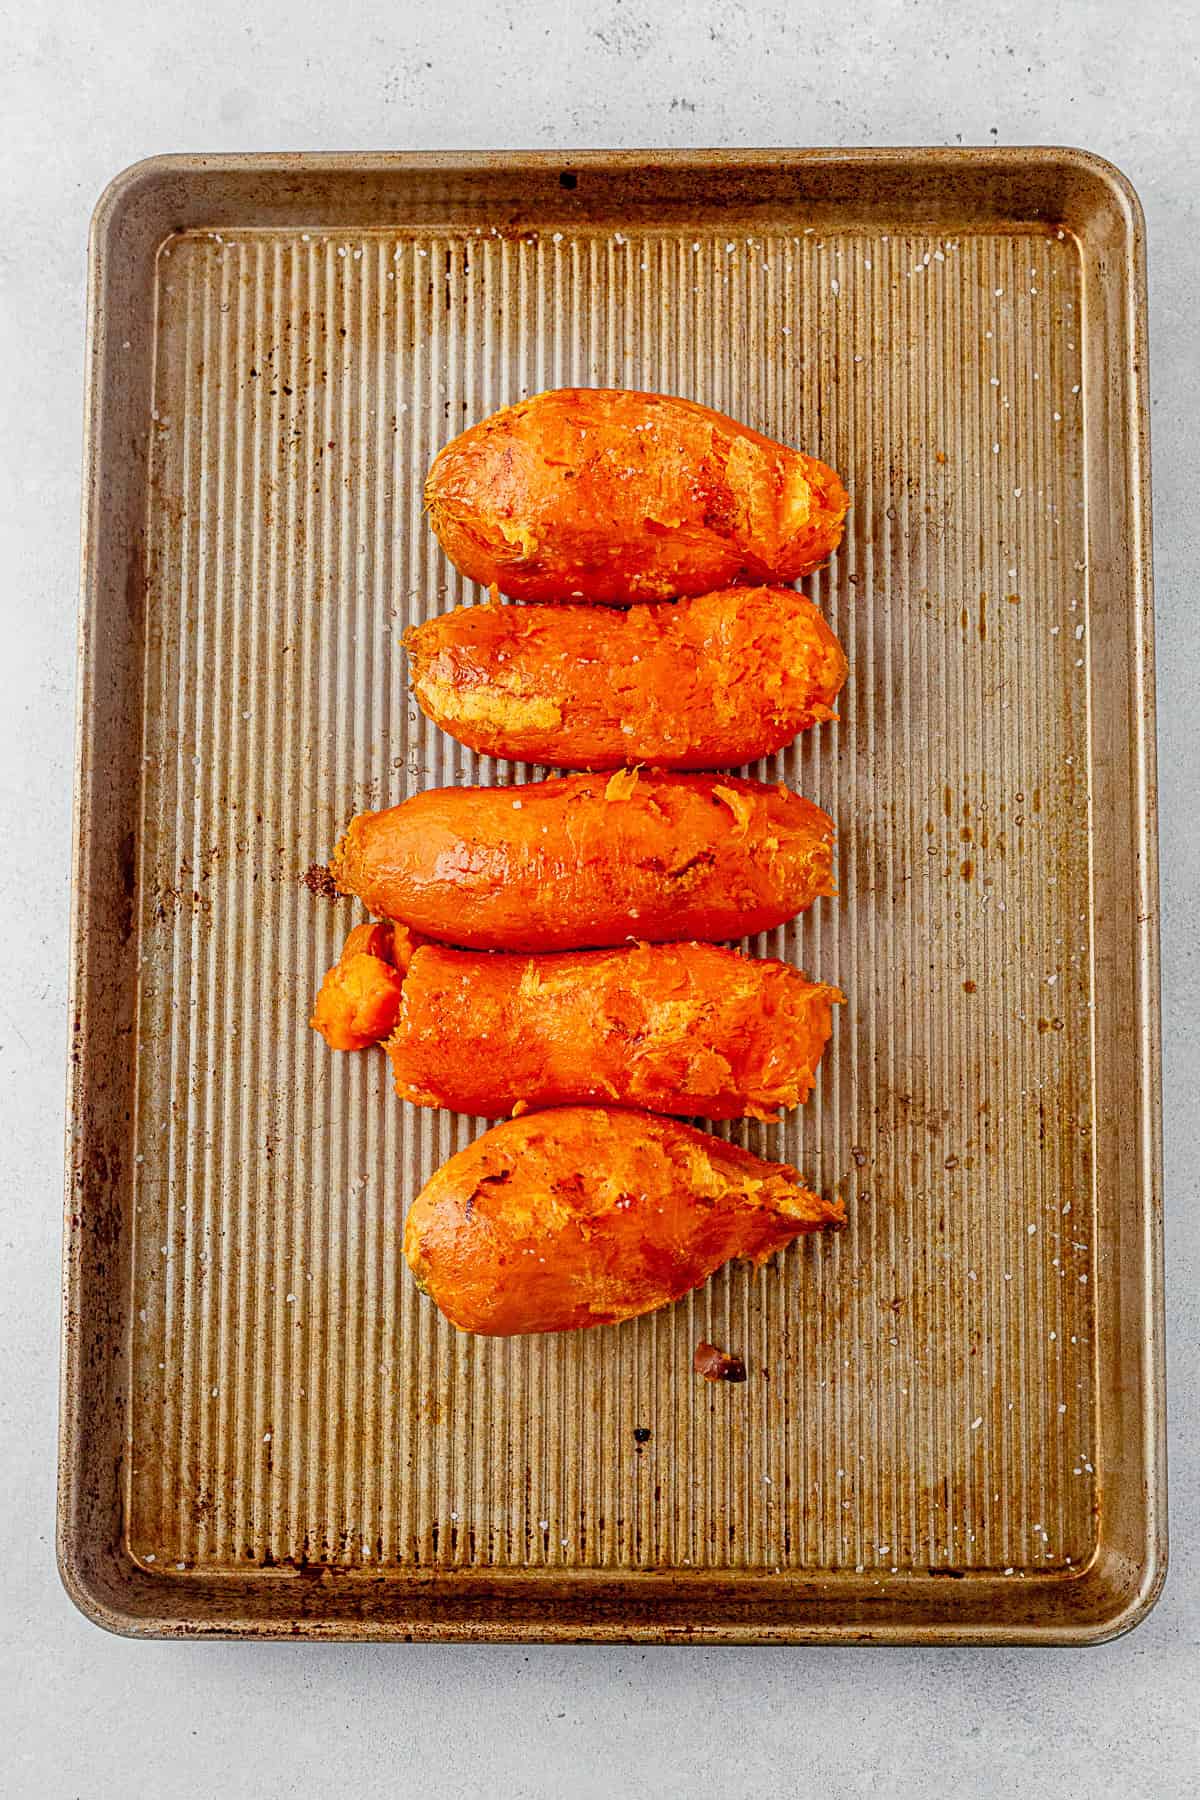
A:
(586, 1216)
(582, 861)
(674, 1028)
(704, 683)
(602, 494)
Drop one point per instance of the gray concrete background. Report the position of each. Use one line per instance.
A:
(85, 90)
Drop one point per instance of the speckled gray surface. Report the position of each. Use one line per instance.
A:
(82, 95)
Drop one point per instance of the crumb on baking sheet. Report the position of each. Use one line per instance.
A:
(717, 1365)
(318, 879)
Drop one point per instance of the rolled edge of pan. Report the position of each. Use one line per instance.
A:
(587, 1216)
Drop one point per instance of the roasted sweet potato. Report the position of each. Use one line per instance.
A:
(584, 861)
(600, 494)
(360, 996)
(701, 684)
(586, 1216)
(675, 1028)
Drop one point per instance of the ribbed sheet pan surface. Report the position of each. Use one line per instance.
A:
(950, 1426)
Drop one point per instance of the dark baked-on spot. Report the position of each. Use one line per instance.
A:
(318, 880)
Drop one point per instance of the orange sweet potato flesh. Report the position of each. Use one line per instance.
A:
(674, 1028)
(585, 861)
(358, 1002)
(704, 683)
(587, 1215)
(602, 494)
(359, 999)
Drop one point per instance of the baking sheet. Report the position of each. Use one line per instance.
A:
(952, 1423)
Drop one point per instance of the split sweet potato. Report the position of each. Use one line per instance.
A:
(584, 862)
(586, 1216)
(603, 494)
(675, 1028)
(704, 683)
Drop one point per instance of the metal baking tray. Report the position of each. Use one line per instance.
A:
(952, 1428)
